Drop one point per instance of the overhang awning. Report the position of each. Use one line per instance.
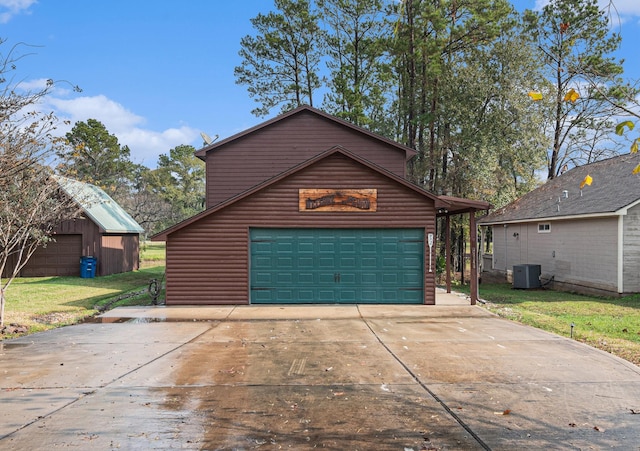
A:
(448, 206)
(451, 205)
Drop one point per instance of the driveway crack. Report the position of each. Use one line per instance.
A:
(424, 386)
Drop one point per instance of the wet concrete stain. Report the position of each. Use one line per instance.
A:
(271, 393)
(303, 384)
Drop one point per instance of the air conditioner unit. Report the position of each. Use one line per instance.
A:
(526, 276)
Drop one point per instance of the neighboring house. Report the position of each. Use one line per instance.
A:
(103, 231)
(585, 240)
(307, 208)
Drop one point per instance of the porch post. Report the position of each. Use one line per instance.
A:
(447, 251)
(473, 237)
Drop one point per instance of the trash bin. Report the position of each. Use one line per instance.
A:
(88, 267)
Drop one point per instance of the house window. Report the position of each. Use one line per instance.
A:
(544, 227)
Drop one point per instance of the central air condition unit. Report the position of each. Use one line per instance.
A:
(526, 276)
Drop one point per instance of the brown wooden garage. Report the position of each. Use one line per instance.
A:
(306, 208)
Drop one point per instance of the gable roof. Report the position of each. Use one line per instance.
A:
(439, 203)
(99, 207)
(409, 152)
(613, 190)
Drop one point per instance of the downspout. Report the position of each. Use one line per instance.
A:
(621, 254)
(505, 250)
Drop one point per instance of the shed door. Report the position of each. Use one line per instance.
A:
(60, 258)
(351, 266)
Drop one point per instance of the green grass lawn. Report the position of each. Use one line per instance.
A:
(41, 303)
(152, 253)
(610, 324)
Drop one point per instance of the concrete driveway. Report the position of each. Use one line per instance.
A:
(445, 377)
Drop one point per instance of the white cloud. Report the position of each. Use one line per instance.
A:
(622, 7)
(540, 4)
(145, 144)
(625, 7)
(10, 8)
(32, 85)
(112, 114)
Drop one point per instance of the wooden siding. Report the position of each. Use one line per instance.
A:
(90, 235)
(80, 226)
(581, 252)
(208, 261)
(631, 281)
(254, 158)
(58, 258)
(119, 253)
(114, 253)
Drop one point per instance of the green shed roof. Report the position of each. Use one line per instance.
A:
(99, 207)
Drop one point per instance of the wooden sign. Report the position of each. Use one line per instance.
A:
(329, 199)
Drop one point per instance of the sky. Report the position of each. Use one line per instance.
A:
(158, 73)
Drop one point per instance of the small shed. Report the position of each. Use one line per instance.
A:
(104, 231)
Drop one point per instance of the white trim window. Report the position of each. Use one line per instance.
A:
(544, 227)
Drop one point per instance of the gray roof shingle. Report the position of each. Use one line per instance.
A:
(614, 187)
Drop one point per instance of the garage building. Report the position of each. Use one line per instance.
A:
(307, 208)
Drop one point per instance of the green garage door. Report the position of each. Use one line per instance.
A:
(376, 266)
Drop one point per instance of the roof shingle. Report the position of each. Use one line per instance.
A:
(614, 187)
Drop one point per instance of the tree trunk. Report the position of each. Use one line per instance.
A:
(2, 301)
(433, 158)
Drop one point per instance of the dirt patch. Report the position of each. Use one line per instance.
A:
(55, 318)
(13, 329)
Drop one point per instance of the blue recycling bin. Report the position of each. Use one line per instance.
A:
(88, 267)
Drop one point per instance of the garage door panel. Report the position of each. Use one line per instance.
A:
(326, 262)
(264, 279)
(368, 278)
(337, 265)
(390, 296)
(411, 280)
(306, 278)
(306, 296)
(261, 296)
(410, 296)
(285, 278)
(369, 296)
(410, 247)
(348, 263)
(390, 279)
(368, 263)
(287, 295)
(263, 247)
(59, 258)
(326, 295)
(369, 248)
(348, 296)
(305, 262)
(327, 278)
(324, 247)
(286, 263)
